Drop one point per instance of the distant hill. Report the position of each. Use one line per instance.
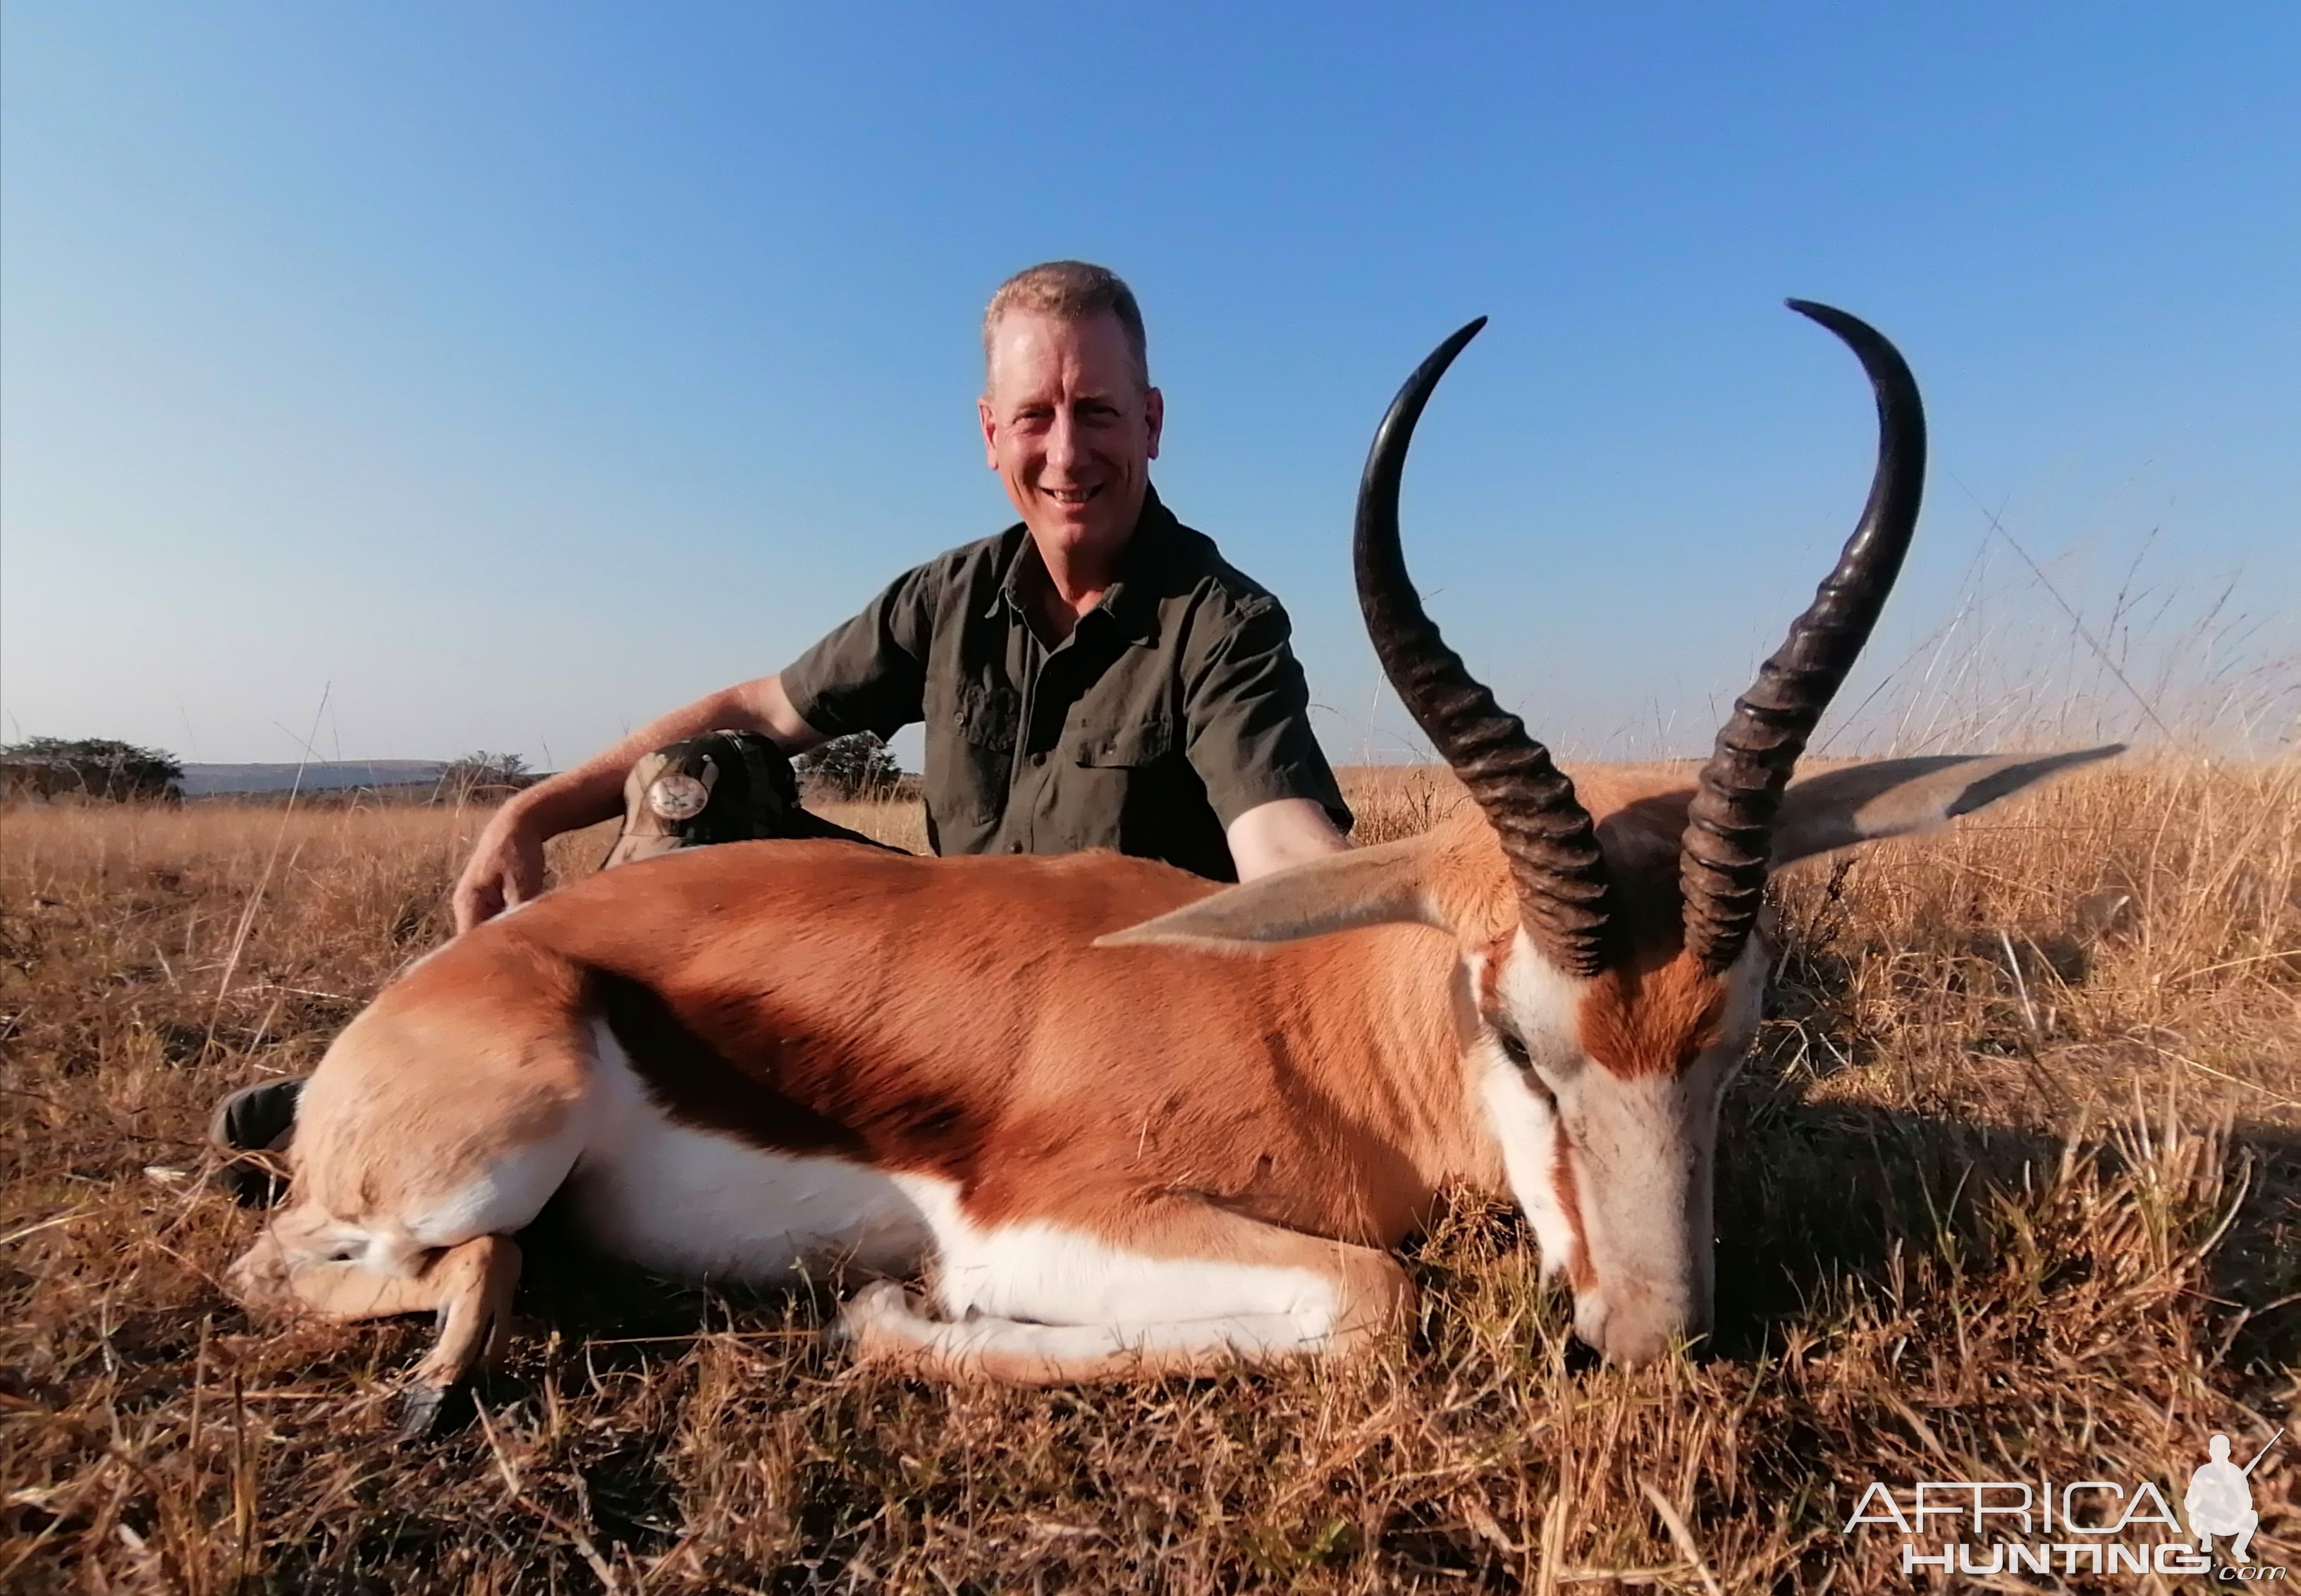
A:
(329, 776)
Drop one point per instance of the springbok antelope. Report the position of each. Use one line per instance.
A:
(1126, 1123)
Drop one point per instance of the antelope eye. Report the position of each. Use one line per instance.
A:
(1514, 1048)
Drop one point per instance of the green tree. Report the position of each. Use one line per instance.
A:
(857, 765)
(479, 775)
(96, 767)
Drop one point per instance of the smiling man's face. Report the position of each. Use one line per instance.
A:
(1071, 429)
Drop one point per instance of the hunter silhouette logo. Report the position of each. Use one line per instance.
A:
(2219, 1499)
(2100, 1528)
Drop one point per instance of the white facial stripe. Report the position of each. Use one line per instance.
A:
(1545, 1004)
(1539, 1002)
(1521, 1120)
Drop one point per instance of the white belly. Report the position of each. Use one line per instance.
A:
(695, 1205)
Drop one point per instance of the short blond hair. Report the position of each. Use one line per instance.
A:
(1073, 291)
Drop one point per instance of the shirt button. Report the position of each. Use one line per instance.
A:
(1014, 848)
(1039, 757)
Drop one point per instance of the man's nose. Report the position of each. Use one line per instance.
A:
(1062, 443)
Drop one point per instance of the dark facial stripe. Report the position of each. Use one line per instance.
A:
(1579, 1272)
(1490, 977)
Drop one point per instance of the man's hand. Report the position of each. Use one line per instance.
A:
(506, 864)
(506, 869)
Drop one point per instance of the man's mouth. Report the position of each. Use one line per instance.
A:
(1070, 496)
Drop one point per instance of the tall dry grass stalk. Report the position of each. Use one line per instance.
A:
(2012, 1188)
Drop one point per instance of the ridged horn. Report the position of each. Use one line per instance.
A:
(1545, 832)
(1729, 825)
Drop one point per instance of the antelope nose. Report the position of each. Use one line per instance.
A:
(1635, 1332)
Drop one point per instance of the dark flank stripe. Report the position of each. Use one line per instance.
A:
(688, 1079)
(734, 1065)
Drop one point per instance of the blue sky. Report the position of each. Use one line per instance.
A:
(509, 374)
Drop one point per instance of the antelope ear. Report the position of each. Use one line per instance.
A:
(1368, 886)
(1899, 798)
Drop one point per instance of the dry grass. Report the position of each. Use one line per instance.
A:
(2005, 1194)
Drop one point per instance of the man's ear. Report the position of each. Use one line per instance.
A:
(989, 421)
(1899, 798)
(1368, 886)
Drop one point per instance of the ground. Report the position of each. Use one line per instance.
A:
(2013, 1189)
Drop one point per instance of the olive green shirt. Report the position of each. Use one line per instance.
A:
(1175, 706)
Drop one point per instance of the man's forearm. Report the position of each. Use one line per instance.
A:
(1272, 836)
(593, 790)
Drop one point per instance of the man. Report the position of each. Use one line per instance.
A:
(1095, 676)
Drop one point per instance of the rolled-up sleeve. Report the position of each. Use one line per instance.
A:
(1246, 709)
(870, 674)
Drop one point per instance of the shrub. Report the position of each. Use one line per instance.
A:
(482, 777)
(95, 767)
(857, 765)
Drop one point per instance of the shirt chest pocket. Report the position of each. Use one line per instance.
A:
(1109, 788)
(1125, 747)
(987, 717)
(970, 754)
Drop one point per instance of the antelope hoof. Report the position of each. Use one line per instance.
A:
(258, 1279)
(864, 1317)
(419, 1408)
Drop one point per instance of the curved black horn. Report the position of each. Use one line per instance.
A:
(1545, 832)
(1729, 825)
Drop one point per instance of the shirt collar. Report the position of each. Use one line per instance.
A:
(1131, 601)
